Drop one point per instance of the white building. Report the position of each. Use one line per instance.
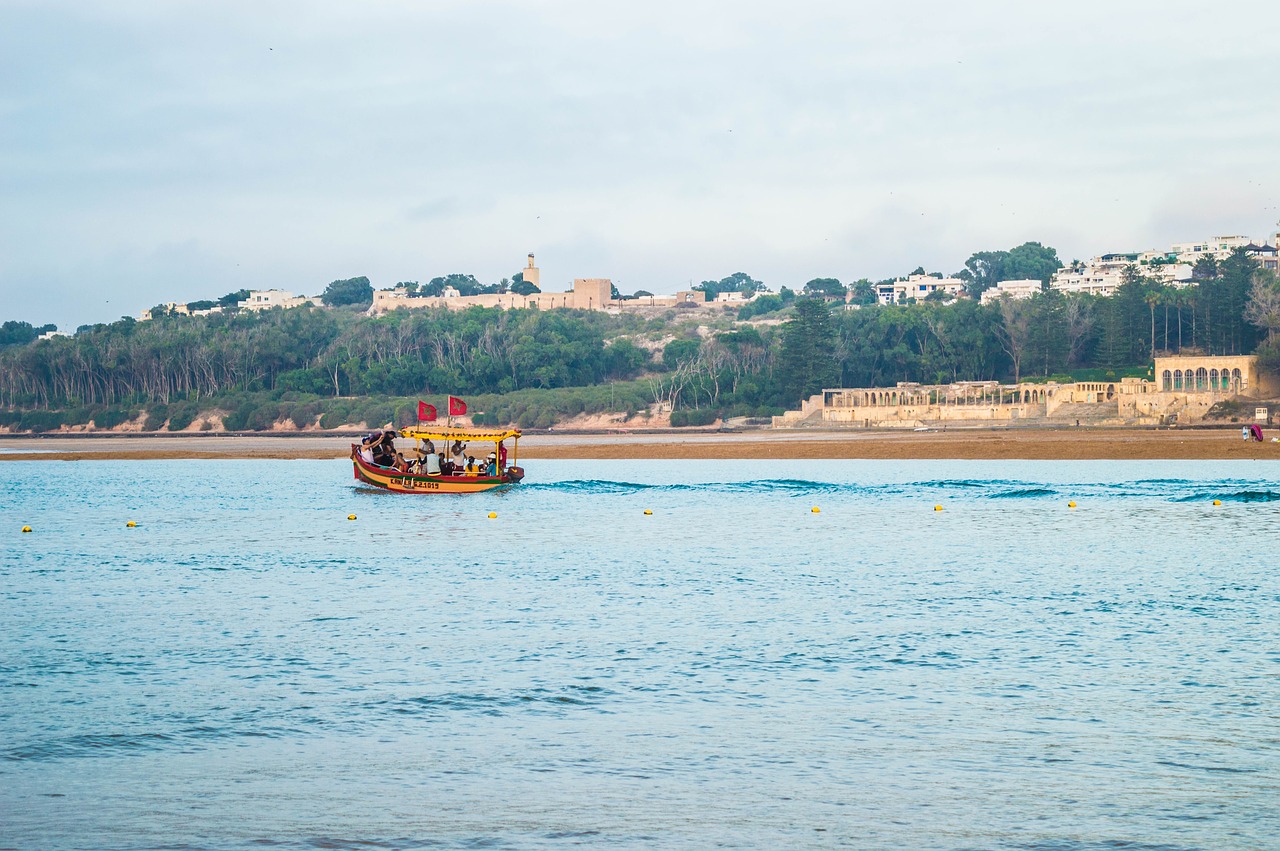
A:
(917, 287)
(1219, 248)
(1022, 288)
(1102, 276)
(267, 299)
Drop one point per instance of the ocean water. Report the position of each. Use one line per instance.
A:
(249, 669)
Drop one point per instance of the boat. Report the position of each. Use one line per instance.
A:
(399, 481)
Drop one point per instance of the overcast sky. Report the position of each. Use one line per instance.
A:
(156, 151)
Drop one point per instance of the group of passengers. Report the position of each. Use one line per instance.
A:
(379, 449)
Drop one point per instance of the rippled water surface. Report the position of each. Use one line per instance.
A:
(248, 668)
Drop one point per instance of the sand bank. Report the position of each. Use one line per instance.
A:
(1029, 444)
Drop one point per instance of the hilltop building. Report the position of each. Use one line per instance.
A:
(267, 299)
(1019, 289)
(586, 294)
(918, 287)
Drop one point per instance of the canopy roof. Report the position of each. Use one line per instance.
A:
(468, 434)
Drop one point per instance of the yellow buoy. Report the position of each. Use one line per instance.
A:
(351, 517)
(1071, 505)
(1217, 502)
(131, 524)
(816, 510)
(26, 528)
(648, 511)
(937, 508)
(492, 514)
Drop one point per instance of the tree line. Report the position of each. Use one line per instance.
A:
(308, 363)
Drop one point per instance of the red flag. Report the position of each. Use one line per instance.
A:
(457, 407)
(426, 413)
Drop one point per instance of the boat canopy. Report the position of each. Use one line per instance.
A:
(467, 434)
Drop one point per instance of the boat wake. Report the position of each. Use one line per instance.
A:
(1173, 490)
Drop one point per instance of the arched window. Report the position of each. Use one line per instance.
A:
(1177, 379)
(1236, 381)
(1202, 378)
(1168, 380)
(1213, 379)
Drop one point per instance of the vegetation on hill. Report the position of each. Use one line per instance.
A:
(535, 368)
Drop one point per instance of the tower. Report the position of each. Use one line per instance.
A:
(531, 274)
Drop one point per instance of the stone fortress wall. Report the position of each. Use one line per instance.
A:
(587, 294)
(1184, 390)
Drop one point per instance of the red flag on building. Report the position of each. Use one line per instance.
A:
(457, 407)
(426, 413)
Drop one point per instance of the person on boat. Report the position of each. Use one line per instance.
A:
(459, 457)
(502, 455)
(471, 463)
(432, 462)
(383, 454)
(491, 465)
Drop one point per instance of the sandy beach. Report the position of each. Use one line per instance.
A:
(1028, 444)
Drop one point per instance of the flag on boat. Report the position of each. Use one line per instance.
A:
(426, 413)
(457, 407)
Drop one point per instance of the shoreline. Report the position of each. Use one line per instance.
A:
(1068, 444)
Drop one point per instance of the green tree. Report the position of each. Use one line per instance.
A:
(807, 360)
(826, 288)
(864, 292)
(739, 282)
(464, 284)
(1031, 260)
(679, 351)
(348, 291)
(20, 333)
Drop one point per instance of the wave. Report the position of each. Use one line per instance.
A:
(492, 704)
(1024, 493)
(1238, 496)
(1173, 489)
(88, 744)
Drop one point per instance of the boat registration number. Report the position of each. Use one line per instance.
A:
(413, 484)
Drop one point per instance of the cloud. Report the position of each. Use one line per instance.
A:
(655, 142)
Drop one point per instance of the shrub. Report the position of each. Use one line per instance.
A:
(40, 421)
(696, 417)
(111, 417)
(156, 415)
(182, 414)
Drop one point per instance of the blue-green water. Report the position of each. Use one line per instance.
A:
(248, 668)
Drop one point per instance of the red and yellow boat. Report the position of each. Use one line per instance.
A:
(400, 481)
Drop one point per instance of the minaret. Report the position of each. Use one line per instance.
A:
(531, 274)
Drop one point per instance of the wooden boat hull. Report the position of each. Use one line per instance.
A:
(393, 480)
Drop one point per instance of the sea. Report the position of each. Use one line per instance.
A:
(1059, 656)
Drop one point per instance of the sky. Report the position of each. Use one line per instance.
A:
(174, 151)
